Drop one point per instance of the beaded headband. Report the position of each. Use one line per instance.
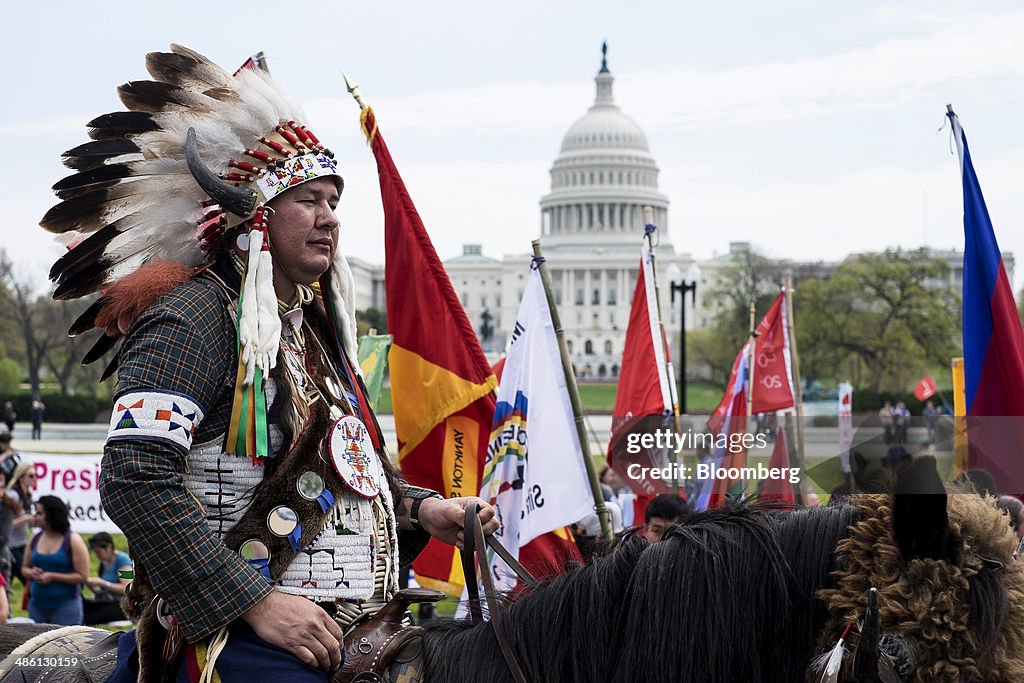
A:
(199, 152)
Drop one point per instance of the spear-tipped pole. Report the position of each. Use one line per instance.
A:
(751, 421)
(353, 89)
(603, 515)
(673, 457)
(798, 390)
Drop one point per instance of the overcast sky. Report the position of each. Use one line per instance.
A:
(808, 128)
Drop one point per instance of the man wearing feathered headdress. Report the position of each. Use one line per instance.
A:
(243, 461)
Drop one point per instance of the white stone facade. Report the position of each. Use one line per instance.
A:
(591, 228)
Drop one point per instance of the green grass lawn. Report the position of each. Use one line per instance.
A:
(600, 398)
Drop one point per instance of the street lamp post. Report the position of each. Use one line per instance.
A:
(683, 286)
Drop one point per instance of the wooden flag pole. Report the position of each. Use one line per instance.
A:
(603, 515)
(801, 493)
(750, 388)
(673, 457)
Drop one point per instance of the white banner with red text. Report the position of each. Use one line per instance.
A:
(75, 480)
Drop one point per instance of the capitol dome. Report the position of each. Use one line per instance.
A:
(603, 178)
(604, 125)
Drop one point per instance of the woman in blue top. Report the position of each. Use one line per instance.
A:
(109, 586)
(57, 565)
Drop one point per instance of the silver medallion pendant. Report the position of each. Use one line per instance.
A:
(354, 459)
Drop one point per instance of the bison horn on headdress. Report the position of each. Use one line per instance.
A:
(236, 200)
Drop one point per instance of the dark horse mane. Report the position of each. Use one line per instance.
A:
(728, 595)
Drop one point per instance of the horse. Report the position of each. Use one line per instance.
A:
(750, 593)
(744, 593)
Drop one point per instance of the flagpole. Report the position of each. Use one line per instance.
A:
(960, 443)
(798, 391)
(574, 397)
(649, 229)
(353, 89)
(750, 389)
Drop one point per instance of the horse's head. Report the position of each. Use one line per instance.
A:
(949, 594)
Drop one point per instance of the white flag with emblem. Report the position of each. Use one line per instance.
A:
(533, 474)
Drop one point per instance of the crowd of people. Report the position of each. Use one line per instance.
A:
(237, 355)
(39, 550)
(895, 420)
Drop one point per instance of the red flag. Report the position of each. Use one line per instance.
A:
(442, 387)
(779, 489)
(441, 384)
(926, 388)
(256, 62)
(728, 453)
(551, 553)
(772, 386)
(640, 502)
(499, 367)
(645, 388)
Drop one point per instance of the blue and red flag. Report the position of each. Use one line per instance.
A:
(993, 340)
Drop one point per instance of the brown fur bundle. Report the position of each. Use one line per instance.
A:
(131, 295)
(930, 600)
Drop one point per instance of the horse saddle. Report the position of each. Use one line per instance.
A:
(384, 650)
(71, 654)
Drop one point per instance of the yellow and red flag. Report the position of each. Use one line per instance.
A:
(442, 387)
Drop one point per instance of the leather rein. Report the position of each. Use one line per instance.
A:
(474, 543)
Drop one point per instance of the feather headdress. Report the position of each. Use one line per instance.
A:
(199, 152)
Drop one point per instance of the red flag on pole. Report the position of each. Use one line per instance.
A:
(643, 389)
(773, 385)
(442, 387)
(727, 453)
(926, 388)
(256, 61)
(441, 384)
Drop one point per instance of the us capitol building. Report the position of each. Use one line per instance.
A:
(591, 228)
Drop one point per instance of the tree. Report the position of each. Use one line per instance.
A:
(882, 320)
(63, 358)
(10, 377)
(20, 309)
(371, 319)
(41, 342)
(879, 320)
(749, 277)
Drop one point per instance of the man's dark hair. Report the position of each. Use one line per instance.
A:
(101, 540)
(667, 506)
(55, 512)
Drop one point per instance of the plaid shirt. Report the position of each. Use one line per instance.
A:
(185, 343)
